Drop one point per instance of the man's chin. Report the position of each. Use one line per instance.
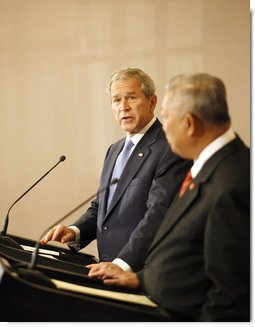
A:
(128, 129)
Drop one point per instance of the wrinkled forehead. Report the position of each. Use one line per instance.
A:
(127, 85)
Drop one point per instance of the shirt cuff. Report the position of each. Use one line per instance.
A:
(76, 242)
(122, 264)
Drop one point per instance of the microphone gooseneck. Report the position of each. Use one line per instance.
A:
(34, 257)
(3, 237)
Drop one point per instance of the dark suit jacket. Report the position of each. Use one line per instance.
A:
(149, 182)
(198, 265)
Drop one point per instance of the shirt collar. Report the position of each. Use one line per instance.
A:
(210, 149)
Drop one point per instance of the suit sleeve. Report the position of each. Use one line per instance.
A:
(170, 172)
(227, 257)
(87, 224)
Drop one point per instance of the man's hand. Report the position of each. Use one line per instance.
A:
(59, 233)
(112, 274)
(102, 269)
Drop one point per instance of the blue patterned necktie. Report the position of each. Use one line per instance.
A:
(119, 166)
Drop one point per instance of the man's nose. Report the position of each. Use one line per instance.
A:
(124, 104)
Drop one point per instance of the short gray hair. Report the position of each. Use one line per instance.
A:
(147, 83)
(207, 93)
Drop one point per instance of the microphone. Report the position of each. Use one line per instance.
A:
(7, 240)
(29, 273)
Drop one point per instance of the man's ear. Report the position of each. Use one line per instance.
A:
(153, 102)
(190, 124)
(194, 125)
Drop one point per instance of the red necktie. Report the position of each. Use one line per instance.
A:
(187, 181)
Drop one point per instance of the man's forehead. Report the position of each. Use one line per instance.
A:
(128, 85)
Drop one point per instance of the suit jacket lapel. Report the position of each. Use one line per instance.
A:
(138, 156)
(132, 166)
(175, 212)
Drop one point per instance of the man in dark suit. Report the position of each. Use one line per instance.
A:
(124, 220)
(197, 267)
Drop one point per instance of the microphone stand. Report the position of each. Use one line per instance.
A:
(7, 240)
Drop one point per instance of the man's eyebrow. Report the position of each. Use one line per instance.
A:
(127, 93)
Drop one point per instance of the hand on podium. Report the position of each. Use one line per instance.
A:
(113, 275)
(59, 233)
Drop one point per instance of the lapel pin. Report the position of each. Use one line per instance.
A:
(140, 154)
(192, 186)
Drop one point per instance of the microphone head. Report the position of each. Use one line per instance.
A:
(62, 158)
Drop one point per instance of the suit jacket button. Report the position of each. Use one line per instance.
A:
(105, 227)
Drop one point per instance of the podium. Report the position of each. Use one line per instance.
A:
(75, 297)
